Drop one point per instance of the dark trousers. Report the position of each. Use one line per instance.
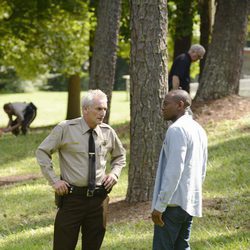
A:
(175, 234)
(87, 214)
(29, 116)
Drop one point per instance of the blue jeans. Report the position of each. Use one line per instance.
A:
(175, 234)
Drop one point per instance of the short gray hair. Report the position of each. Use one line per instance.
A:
(88, 99)
(200, 50)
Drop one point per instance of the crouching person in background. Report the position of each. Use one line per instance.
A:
(25, 114)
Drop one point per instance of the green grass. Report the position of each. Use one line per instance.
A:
(52, 107)
(27, 209)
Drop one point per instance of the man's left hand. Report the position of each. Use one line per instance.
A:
(109, 181)
(157, 218)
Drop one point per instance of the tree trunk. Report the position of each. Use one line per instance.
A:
(92, 9)
(148, 88)
(105, 44)
(182, 45)
(183, 26)
(205, 11)
(74, 92)
(221, 73)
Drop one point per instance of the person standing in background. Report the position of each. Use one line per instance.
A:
(179, 75)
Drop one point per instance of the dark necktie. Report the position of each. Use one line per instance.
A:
(92, 166)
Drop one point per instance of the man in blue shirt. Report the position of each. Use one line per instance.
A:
(181, 171)
(179, 75)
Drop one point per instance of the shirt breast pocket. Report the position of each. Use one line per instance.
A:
(104, 149)
(75, 148)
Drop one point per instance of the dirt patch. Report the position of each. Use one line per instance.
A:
(120, 210)
(228, 108)
(18, 178)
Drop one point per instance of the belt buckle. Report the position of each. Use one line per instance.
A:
(90, 192)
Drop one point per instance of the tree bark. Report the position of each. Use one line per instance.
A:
(92, 9)
(74, 90)
(205, 28)
(221, 72)
(105, 45)
(148, 68)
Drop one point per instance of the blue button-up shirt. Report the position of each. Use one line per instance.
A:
(182, 167)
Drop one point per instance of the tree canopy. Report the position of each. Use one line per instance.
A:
(44, 36)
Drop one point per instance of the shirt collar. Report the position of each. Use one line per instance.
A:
(86, 128)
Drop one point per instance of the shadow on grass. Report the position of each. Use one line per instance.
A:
(26, 207)
(228, 165)
(20, 147)
(232, 212)
(26, 224)
(35, 239)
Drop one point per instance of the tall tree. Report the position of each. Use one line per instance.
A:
(148, 72)
(181, 26)
(74, 90)
(93, 4)
(222, 69)
(205, 11)
(105, 45)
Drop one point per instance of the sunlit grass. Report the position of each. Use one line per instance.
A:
(52, 107)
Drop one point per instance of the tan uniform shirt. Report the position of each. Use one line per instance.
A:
(70, 139)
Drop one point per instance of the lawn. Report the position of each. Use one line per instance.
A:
(52, 107)
(27, 209)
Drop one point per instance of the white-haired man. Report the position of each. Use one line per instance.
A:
(179, 75)
(83, 186)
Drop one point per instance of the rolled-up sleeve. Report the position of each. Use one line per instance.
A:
(44, 154)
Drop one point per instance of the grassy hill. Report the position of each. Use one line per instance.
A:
(27, 208)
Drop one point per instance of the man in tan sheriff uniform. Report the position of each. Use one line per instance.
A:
(83, 205)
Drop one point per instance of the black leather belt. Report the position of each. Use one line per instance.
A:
(99, 191)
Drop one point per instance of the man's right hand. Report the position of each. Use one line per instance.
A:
(157, 218)
(6, 130)
(61, 187)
